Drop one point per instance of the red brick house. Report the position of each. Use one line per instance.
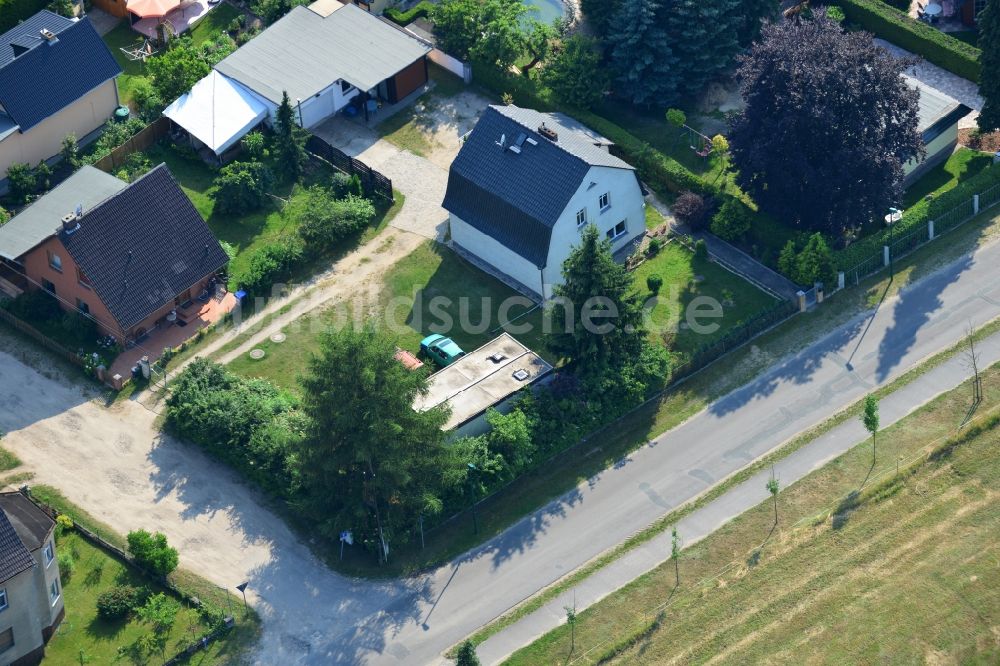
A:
(129, 255)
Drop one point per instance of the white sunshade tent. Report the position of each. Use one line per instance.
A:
(218, 111)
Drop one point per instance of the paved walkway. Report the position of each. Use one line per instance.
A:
(102, 21)
(702, 522)
(954, 86)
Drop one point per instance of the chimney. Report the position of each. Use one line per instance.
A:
(548, 133)
(70, 223)
(48, 36)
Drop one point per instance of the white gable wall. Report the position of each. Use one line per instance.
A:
(626, 205)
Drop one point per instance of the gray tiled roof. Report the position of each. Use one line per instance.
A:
(40, 220)
(517, 198)
(304, 53)
(143, 246)
(933, 104)
(27, 33)
(50, 76)
(23, 529)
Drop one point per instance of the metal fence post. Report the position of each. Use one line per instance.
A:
(885, 255)
(802, 300)
(975, 204)
(840, 279)
(930, 229)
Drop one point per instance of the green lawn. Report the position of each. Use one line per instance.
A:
(214, 23)
(902, 572)
(963, 164)
(408, 296)
(685, 279)
(98, 640)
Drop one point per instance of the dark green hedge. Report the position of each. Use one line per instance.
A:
(419, 10)
(897, 27)
(916, 217)
(13, 12)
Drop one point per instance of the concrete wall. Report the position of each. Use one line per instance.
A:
(45, 139)
(31, 612)
(626, 204)
(938, 150)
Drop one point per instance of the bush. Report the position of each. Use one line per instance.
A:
(815, 263)
(325, 221)
(654, 282)
(34, 306)
(655, 246)
(66, 566)
(255, 146)
(114, 135)
(13, 12)
(691, 209)
(701, 250)
(897, 27)
(21, 181)
(117, 602)
(270, 263)
(837, 14)
(420, 10)
(69, 154)
(676, 117)
(147, 98)
(732, 221)
(152, 552)
(241, 187)
(63, 524)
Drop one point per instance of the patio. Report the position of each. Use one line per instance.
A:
(171, 334)
(378, 109)
(945, 15)
(180, 18)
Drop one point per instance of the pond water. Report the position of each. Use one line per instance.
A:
(546, 11)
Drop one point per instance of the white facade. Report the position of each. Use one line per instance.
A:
(622, 220)
(324, 104)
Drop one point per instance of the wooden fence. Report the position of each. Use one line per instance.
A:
(145, 138)
(41, 338)
(372, 181)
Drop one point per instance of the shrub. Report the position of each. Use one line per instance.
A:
(270, 263)
(66, 566)
(114, 135)
(837, 14)
(655, 246)
(152, 552)
(419, 10)
(34, 306)
(732, 221)
(21, 181)
(117, 602)
(147, 98)
(325, 221)
(69, 154)
(654, 282)
(241, 187)
(690, 208)
(676, 117)
(4, 216)
(701, 250)
(255, 146)
(815, 262)
(897, 27)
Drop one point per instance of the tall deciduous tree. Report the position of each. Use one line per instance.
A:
(989, 61)
(490, 30)
(641, 55)
(177, 70)
(827, 126)
(467, 655)
(575, 73)
(597, 319)
(369, 462)
(870, 418)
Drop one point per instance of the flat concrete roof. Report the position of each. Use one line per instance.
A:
(483, 378)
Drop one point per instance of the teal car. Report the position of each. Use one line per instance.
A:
(443, 350)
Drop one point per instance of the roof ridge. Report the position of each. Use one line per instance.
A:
(562, 147)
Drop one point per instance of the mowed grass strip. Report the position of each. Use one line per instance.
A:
(906, 571)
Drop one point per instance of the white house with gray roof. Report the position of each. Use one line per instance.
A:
(937, 122)
(524, 186)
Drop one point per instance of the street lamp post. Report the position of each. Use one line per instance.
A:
(472, 492)
(242, 587)
(894, 216)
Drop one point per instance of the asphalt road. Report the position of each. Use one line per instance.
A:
(117, 466)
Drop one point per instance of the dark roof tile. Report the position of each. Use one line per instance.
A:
(143, 246)
(49, 77)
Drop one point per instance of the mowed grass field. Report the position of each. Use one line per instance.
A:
(906, 571)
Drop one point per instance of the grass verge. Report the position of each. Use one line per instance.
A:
(861, 572)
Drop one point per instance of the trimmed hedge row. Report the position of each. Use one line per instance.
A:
(897, 27)
(917, 217)
(419, 10)
(659, 171)
(13, 12)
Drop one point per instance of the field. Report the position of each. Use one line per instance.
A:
(904, 571)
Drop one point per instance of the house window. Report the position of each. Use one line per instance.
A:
(581, 217)
(48, 286)
(617, 231)
(82, 306)
(49, 554)
(55, 261)
(6, 639)
(54, 591)
(82, 278)
(604, 202)
(3, 598)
